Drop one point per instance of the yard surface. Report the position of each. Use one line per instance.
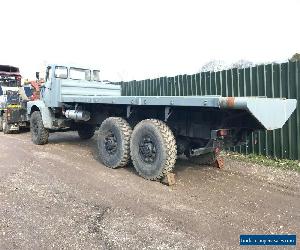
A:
(60, 196)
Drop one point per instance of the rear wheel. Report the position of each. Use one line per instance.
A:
(39, 134)
(113, 142)
(153, 149)
(86, 131)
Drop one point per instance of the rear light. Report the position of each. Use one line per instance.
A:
(223, 132)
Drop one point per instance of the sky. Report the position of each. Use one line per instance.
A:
(139, 39)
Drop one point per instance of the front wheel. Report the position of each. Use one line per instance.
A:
(1, 123)
(39, 134)
(5, 125)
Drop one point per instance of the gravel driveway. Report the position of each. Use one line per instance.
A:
(60, 196)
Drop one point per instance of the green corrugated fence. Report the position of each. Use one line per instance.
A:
(272, 80)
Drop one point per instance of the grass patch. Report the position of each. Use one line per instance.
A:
(266, 160)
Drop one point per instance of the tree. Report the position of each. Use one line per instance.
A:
(295, 57)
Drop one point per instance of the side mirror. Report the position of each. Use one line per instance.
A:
(37, 75)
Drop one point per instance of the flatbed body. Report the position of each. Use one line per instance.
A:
(84, 92)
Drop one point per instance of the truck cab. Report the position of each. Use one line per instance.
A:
(10, 80)
(12, 110)
(58, 75)
(67, 81)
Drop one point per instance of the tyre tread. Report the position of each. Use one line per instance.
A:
(44, 133)
(171, 148)
(126, 132)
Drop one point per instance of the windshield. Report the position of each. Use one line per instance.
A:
(10, 81)
(9, 76)
(80, 74)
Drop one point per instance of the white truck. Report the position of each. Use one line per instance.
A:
(12, 107)
(148, 130)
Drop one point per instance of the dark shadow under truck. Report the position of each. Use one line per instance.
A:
(149, 130)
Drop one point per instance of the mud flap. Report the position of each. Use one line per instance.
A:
(169, 179)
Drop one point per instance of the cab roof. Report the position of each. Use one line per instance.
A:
(9, 70)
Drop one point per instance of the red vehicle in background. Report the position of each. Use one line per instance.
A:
(35, 87)
(10, 76)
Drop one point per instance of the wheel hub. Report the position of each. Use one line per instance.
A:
(111, 143)
(147, 150)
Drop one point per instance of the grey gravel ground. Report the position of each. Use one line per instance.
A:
(60, 196)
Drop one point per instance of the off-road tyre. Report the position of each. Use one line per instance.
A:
(205, 159)
(1, 123)
(39, 134)
(5, 127)
(86, 131)
(114, 142)
(163, 147)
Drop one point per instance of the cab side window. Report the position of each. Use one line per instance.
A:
(96, 75)
(61, 72)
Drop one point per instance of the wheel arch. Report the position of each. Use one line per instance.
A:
(46, 112)
(34, 108)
